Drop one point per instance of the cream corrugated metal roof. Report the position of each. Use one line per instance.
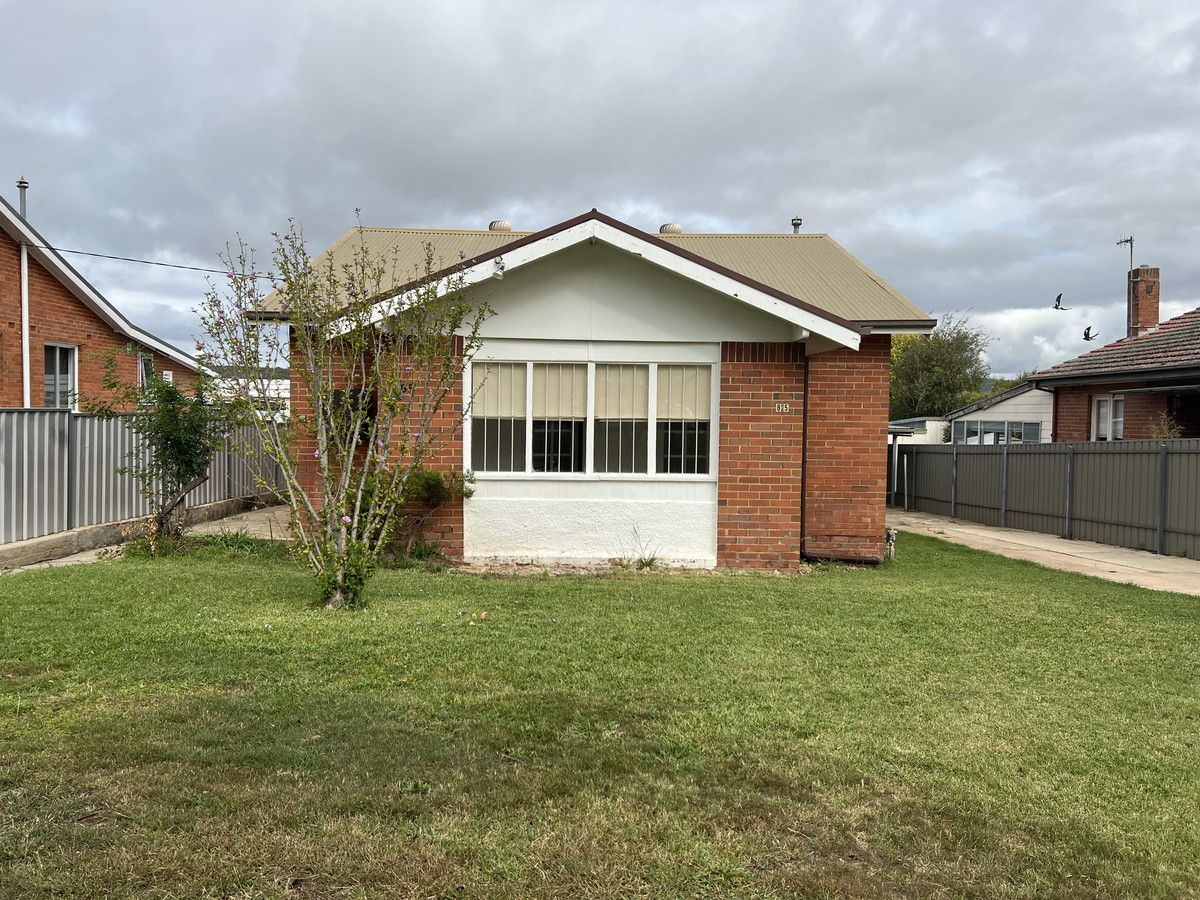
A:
(812, 268)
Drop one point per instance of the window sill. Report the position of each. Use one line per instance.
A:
(594, 476)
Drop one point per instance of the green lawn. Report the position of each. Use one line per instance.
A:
(952, 724)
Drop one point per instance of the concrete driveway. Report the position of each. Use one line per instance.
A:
(1148, 570)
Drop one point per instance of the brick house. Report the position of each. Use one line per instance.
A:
(54, 326)
(1126, 390)
(709, 399)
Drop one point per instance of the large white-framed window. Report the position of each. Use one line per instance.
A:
(60, 374)
(617, 418)
(1108, 418)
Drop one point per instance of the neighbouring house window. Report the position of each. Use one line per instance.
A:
(1024, 432)
(992, 432)
(498, 417)
(1108, 419)
(622, 415)
(145, 370)
(682, 417)
(971, 432)
(60, 376)
(559, 417)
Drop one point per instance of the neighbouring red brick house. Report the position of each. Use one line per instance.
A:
(54, 325)
(1131, 388)
(708, 399)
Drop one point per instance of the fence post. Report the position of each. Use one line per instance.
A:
(1070, 491)
(954, 482)
(1162, 499)
(1004, 486)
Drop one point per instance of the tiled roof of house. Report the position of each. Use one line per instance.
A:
(1175, 344)
(812, 268)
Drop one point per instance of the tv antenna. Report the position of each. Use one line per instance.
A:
(1129, 241)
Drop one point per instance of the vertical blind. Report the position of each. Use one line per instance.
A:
(684, 393)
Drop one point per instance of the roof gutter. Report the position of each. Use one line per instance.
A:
(1116, 377)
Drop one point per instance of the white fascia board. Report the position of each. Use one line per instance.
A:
(88, 295)
(507, 260)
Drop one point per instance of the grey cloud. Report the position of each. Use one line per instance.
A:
(981, 159)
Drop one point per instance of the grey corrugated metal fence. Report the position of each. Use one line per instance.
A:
(57, 472)
(1140, 494)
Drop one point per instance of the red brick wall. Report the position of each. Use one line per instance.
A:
(761, 451)
(56, 316)
(1073, 411)
(445, 526)
(846, 472)
(763, 512)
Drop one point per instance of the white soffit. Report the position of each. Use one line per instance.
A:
(507, 260)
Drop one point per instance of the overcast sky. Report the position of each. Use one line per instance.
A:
(979, 157)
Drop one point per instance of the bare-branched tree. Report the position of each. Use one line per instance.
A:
(376, 352)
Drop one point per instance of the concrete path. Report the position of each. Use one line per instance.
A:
(270, 523)
(1149, 570)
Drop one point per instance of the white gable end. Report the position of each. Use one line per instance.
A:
(592, 233)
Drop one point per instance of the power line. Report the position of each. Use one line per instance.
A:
(131, 259)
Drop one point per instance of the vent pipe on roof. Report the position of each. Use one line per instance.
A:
(796, 223)
(670, 228)
(22, 187)
(499, 225)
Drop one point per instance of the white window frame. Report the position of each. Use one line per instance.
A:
(74, 348)
(1111, 399)
(141, 357)
(591, 353)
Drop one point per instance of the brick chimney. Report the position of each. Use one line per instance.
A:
(1143, 300)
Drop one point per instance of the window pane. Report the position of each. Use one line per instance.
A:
(558, 445)
(972, 433)
(145, 368)
(620, 445)
(620, 432)
(1032, 432)
(50, 377)
(1118, 419)
(498, 445)
(1102, 420)
(960, 431)
(58, 376)
(498, 416)
(682, 447)
(682, 410)
(993, 433)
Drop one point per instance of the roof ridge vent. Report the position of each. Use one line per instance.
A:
(670, 228)
(499, 225)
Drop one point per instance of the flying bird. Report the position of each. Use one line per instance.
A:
(1087, 334)
(1058, 303)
